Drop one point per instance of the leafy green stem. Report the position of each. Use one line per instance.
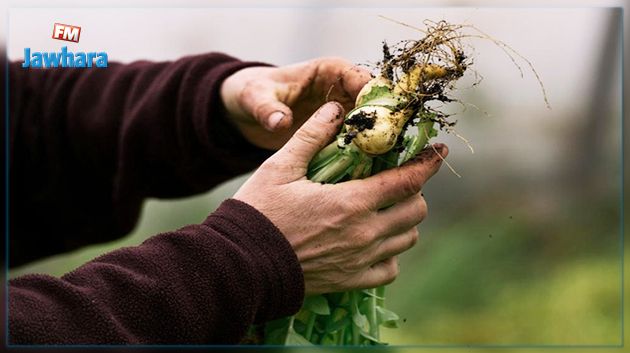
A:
(374, 332)
(354, 310)
(380, 295)
(309, 325)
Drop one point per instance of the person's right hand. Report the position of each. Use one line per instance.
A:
(345, 235)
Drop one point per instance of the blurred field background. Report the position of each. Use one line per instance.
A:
(525, 248)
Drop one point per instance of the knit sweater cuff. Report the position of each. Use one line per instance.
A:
(213, 126)
(281, 279)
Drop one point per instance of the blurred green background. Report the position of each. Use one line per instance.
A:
(502, 274)
(525, 248)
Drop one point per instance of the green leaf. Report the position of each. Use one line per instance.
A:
(328, 340)
(377, 92)
(339, 313)
(295, 339)
(432, 132)
(368, 293)
(322, 159)
(276, 337)
(415, 143)
(365, 305)
(317, 304)
(361, 321)
(373, 339)
(337, 299)
(386, 317)
(299, 326)
(276, 331)
(338, 323)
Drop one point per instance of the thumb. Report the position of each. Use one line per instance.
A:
(314, 135)
(261, 101)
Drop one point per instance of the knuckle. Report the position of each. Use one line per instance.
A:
(392, 272)
(359, 263)
(352, 204)
(394, 269)
(414, 235)
(422, 209)
(349, 283)
(344, 215)
(409, 183)
(364, 238)
(337, 282)
(346, 271)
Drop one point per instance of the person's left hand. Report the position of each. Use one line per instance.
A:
(268, 104)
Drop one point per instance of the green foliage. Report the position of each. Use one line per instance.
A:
(508, 277)
(377, 93)
(317, 304)
(350, 318)
(387, 318)
(295, 339)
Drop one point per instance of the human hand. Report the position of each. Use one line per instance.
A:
(268, 104)
(345, 235)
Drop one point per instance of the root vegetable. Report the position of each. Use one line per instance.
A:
(376, 136)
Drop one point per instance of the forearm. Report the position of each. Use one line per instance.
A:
(87, 146)
(201, 284)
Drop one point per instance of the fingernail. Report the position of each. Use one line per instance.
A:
(331, 108)
(275, 118)
(441, 149)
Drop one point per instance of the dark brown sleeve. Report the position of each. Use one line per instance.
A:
(89, 145)
(201, 284)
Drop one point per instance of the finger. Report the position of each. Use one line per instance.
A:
(262, 100)
(354, 79)
(396, 244)
(344, 74)
(401, 216)
(379, 274)
(400, 183)
(313, 135)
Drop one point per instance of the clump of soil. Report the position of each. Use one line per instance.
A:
(362, 120)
